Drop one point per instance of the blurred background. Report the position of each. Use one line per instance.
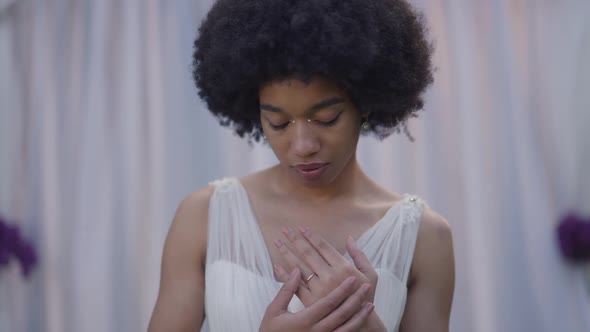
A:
(102, 134)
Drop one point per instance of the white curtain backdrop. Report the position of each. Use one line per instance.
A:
(102, 135)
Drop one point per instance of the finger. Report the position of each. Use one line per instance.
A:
(306, 252)
(351, 306)
(327, 304)
(359, 258)
(292, 260)
(280, 273)
(303, 292)
(330, 255)
(281, 301)
(358, 320)
(362, 263)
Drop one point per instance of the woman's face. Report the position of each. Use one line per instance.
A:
(313, 129)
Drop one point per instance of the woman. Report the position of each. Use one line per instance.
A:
(311, 244)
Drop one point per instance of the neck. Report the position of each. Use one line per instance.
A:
(341, 186)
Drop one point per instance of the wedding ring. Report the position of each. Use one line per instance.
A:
(310, 276)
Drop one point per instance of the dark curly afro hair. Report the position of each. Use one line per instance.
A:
(377, 50)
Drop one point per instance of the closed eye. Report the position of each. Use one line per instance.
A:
(331, 122)
(278, 127)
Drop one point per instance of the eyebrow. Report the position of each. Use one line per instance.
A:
(319, 106)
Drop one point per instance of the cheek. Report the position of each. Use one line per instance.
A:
(348, 143)
(348, 136)
(278, 146)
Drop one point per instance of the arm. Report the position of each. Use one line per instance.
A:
(432, 280)
(180, 303)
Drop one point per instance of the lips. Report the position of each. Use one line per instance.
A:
(311, 171)
(309, 167)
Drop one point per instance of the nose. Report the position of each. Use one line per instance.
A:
(304, 141)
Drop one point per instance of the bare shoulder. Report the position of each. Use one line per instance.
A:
(432, 277)
(180, 303)
(435, 231)
(196, 203)
(434, 246)
(189, 227)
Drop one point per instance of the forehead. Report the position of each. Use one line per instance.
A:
(294, 92)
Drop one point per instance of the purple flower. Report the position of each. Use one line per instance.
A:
(4, 251)
(12, 244)
(574, 237)
(27, 258)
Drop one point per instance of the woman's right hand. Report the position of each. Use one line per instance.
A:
(340, 310)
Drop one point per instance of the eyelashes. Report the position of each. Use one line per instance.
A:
(283, 126)
(278, 127)
(331, 122)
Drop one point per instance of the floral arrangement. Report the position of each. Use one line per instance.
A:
(574, 237)
(13, 245)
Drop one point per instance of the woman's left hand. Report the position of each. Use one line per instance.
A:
(323, 268)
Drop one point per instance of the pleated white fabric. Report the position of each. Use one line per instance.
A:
(239, 275)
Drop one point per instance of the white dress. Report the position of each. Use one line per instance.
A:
(239, 280)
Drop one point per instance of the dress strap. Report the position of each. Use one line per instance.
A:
(410, 216)
(233, 232)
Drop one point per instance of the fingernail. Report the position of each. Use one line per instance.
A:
(303, 230)
(287, 231)
(349, 281)
(370, 307)
(365, 288)
(278, 243)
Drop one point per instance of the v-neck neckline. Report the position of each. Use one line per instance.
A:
(361, 241)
